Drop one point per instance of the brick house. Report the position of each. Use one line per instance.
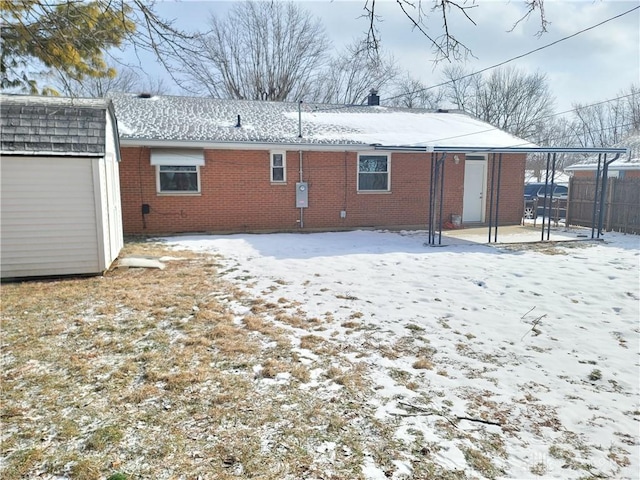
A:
(211, 165)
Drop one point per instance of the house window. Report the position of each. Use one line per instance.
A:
(278, 167)
(178, 179)
(177, 171)
(373, 173)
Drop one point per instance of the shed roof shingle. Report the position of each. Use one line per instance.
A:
(52, 125)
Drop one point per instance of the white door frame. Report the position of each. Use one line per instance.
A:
(475, 159)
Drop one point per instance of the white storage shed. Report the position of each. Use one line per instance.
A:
(60, 211)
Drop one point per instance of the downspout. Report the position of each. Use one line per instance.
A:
(301, 208)
(603, 191)
(300, 161)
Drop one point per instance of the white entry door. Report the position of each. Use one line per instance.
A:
(475, 180)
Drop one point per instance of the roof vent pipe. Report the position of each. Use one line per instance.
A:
(373, 98)
(239, 124)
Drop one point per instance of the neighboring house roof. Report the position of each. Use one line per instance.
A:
(625, 162)
(199, 121)
(531, 177)
(37, 125)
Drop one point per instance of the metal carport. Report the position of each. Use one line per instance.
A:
(436, 191)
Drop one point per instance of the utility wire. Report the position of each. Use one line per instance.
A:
(519, 56)
(582, 107)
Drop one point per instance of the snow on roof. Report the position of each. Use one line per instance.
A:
(625, 162)
(403, 127)
(211, 120)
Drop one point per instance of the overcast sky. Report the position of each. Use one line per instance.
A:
(590, 67)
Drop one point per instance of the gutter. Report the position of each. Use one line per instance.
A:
(594, 166)
(462, 149)
(44, 153)
(341, 147)
(142, 142)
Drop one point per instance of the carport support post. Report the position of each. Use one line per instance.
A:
(546, 187)
(603, 190)
(431, 196)
(444, 155)
(437, 175)
(603, 198)
(595, 195)
(495, 233)
(553, 177)
(493, 174)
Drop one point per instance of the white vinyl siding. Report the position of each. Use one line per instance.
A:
(48, 217)
(110, 198)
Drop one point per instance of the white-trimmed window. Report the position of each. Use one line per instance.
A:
(374, 173)
(177, 171)
(278, 166)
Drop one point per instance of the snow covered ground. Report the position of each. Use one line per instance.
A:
(532, 350)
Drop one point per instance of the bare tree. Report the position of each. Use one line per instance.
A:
(510, 99)
(602, 124)
(554, 131)
(607, 123)
(460, 87)
(127, 79)
(412, 93)
(446, 45)
(350, 76)
(261, 51)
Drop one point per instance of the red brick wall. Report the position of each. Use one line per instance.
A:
(237, 194)
(511, 205)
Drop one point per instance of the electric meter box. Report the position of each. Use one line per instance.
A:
(302, 195)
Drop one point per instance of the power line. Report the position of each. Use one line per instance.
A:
(582, 107)
(519, 56)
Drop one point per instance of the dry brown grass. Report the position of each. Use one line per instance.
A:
(423, 364)
(150, 374)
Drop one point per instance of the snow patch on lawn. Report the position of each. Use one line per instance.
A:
(533, 356)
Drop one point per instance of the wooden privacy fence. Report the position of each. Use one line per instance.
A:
(621, 204)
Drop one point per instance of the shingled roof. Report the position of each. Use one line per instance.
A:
(199, 121)
(36, 125)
